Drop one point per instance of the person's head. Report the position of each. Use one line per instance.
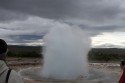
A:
(3, 49)
(122, 64)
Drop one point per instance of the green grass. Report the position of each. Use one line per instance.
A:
(100, 54)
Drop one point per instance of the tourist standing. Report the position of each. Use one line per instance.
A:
(6, 74)
(122, 79)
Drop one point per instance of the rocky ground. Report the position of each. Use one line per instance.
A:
(106, 72)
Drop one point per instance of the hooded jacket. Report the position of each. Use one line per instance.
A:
(122, 79)
(13, 78)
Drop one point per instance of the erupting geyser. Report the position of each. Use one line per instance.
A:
(65, 54)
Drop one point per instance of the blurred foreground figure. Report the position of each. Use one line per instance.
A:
(122, 79)
(6, 75)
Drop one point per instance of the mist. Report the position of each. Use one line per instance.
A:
(65, 53)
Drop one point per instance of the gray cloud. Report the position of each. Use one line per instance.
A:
(44, 8)
(25, 38)
(8, 15)
(94, 16)
(32, 29)
(100, 10)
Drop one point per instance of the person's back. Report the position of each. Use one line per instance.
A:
(122, 78)
(13, 77)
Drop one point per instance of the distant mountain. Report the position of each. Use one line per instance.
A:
(109, 45)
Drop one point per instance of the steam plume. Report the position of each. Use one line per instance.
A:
(65, 53)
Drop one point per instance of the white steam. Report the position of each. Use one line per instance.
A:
(65, 53)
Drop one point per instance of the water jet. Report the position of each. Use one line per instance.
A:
(65, 54)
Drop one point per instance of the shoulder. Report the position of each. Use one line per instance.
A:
(14, 73)
(124, 68)
(15, 77)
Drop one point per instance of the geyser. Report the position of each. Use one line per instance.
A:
(65, 53)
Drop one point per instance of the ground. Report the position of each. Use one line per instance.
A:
(111, 68)
(18, 64)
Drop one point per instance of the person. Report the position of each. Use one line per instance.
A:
(6, 74)
(122, 78)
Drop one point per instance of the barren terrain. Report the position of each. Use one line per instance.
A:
(111, 71)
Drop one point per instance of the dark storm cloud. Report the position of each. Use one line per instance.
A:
(93, 16)
(31, 30)
(60, 9)
(8, 15)
(105, 28)
(10, 29)
(44, 8)
(25, 38)
(99, 11)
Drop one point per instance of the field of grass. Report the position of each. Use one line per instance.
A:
(24, 51)
(98, 54)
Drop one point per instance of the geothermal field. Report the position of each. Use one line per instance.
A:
(29, 69)
(65, 60)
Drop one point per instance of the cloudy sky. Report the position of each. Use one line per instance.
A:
(27, 21)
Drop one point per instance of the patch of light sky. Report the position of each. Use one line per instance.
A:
(114, 38)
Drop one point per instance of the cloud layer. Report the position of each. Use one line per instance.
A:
(112, 40)
(100, 10)
(97, 14)
(28, 31)
(30, 19)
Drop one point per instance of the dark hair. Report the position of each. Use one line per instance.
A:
(3, 46)
(122, 63)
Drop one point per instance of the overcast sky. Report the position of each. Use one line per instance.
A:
(27, 21)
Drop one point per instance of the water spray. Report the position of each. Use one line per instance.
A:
(65, 53)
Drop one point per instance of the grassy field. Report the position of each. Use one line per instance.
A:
(24, 51)
(98, 54)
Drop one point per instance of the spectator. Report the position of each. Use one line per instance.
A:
(6, 74)
(122, 79)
